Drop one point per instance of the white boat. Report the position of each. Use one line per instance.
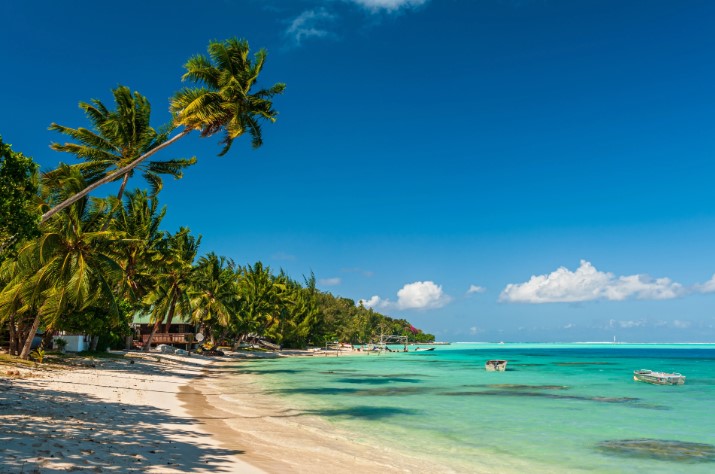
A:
(495, 365)
(658, 378)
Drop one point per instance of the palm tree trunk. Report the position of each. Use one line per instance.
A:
(25, 354)
(13, 335)
(119, 199)
(110, 177)
(168, 321)
(121, 188)
(146, 346)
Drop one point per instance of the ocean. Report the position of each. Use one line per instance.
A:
(557, 408)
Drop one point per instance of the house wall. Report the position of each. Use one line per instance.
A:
(77, 343)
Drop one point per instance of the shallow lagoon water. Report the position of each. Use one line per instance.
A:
(558, 407)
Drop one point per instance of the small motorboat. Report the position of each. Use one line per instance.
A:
(495, 365)
(658, 378)
(424, 349)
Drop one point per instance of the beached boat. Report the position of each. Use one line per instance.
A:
(495, 365)
(658, 378)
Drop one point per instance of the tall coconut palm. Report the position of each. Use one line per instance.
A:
(118, 137)
(262, 298)
(225, 102)
(170, 296)
(137, 251)
(214, 292)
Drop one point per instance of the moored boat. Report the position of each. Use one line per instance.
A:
(658, 378)
(495, 365)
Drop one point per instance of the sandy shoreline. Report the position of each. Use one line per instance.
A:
(161, 413)
(277, 438)
(120, 415)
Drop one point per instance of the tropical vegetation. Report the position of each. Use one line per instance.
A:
(91, 264)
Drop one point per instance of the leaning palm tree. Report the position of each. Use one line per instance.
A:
(224, 101)
(117, 139)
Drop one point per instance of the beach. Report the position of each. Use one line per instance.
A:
(161, 413)
(558, 408)
(278, 438)
(108, 415)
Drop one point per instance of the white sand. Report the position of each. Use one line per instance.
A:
(175, 415)
(280, 439)
(116, 417)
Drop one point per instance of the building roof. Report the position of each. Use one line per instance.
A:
(145, 318)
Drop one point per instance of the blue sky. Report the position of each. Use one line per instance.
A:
(554, 157)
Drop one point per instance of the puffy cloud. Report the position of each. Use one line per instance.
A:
(330, 281)
(475, 289)
(388, 5)
(374, 302)
(707, 287)
(587, 284)
(417, 295)
(308, 25)
(421, 295)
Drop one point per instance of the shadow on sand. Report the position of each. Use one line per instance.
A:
(86, 433)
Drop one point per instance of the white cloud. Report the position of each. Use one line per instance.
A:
(308, 25)
(632, 324)
(474, 330)
(587, 284)
(374, 302)
(679, 324)
(421, 295)
(475, 289)
(388, 5)
(330, 281)
(417, 295)
(707, 287)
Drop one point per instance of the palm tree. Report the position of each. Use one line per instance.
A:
(214, 292)
(224, 102)
(138, 224)
(170, 296)
(262, 298)
(118, 138)
(67, 269)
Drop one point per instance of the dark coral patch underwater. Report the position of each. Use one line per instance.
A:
(659, 449)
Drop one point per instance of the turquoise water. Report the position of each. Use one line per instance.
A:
(551, 411)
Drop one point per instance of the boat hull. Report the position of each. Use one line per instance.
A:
(658, 378)
(495, 366)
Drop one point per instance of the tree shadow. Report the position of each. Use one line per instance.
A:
(58, 431)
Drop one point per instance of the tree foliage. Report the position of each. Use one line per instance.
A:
(18, 188)
(88, 264)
